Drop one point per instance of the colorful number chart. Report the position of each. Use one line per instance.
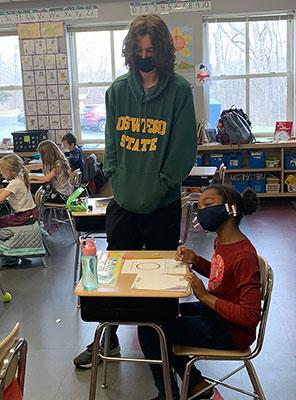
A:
(45, 78)
(169, 6)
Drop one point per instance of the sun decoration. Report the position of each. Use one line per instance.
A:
(180, 41)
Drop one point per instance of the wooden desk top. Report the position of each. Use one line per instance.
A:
(96, 211)
(203, 171)
(124, 282)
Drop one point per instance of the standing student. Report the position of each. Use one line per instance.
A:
(17, 192)
(75, 153)
(150, 146)
(56, 171)
(227, 312)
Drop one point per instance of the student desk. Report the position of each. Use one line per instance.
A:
(121, 305)
(199, 176)
(89, 222)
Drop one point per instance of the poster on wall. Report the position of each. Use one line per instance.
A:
(183, 41)
(45, 77)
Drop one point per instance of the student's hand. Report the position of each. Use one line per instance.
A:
(197, 286)
(35, 177)
(186, 255)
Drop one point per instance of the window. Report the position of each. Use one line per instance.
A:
(11, 94)
(251, 61)
(98, 61)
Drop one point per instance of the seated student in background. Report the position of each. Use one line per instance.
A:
(227, 313)
(75, 153)
(56, 171)
(17, 192)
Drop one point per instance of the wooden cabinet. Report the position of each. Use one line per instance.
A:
(278, 150)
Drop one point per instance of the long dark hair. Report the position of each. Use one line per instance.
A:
(246, 203)
(161, 39)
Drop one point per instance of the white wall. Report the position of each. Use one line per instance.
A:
(111, 11)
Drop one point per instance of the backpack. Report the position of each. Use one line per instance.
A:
(234, 127)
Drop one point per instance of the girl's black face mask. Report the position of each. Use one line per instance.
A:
(211, 218)
(144, 64)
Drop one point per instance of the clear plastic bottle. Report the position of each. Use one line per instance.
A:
(89, 265)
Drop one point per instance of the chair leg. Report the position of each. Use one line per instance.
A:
(254, 379)
(44, 264)
(46, 247)
(72, 225)
(94, 367)
(2, 289)
(106, 349)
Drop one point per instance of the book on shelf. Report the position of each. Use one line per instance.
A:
(283, 130)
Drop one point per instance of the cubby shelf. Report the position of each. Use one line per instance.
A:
(278, 150)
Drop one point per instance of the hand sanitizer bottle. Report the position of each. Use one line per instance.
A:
(89, 265)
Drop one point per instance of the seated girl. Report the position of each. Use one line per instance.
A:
(227, 312)
(56, 171)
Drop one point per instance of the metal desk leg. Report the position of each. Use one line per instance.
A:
(106, 350)
(94, 367)
(164, 362)
(77, 253)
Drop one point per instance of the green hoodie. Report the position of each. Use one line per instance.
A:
(150, 141)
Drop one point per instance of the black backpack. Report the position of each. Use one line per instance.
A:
(234, 127)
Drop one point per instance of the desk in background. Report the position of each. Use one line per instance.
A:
(199, 176)
(90, 222)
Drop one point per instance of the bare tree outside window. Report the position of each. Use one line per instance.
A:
(250, 69)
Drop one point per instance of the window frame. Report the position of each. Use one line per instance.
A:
(76, 85)
(11, 87)
(289, 16)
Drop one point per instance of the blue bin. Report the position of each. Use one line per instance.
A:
(234, 160)
(258, 185)
(256, 160)
(216, 160)
(240, 185)
(199, 159)
(290, 161)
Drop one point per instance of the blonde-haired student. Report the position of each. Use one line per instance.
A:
(56, 171)
(17, 193)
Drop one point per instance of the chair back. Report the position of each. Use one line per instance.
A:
(13, 353)
(39, 199)
(222, 172)
(75, 178)
(266, 279)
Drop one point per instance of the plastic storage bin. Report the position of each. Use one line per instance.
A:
(290, 161)
(199, 159)
(256, 159)
(258, 184)
(28, 140)
(272, 162)
(216, 160)
(233, 160)
(240, 182)
(273, 187)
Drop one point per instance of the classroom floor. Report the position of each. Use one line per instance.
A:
(44, 304)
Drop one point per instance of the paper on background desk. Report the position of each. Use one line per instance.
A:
(173, 283)
(155, 266)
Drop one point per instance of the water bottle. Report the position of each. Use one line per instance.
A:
(89, 265)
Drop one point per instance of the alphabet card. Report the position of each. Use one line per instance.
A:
(46, 78)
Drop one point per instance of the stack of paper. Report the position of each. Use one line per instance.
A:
(146, 281)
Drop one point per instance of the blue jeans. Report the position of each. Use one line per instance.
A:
(197, 326)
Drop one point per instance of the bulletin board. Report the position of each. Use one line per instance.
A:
(45, 76)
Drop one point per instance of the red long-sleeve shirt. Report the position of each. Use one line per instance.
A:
(234, 277)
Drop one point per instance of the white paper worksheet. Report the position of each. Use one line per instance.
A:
(160, 266)
(145, 281)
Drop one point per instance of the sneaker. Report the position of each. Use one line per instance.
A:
(216, 395)
(84, 359)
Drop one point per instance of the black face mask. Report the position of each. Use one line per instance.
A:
(144, 64)
(211, 218)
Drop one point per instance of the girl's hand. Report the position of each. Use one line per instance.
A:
(186, 255)
(35, 177)
(197, 285)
